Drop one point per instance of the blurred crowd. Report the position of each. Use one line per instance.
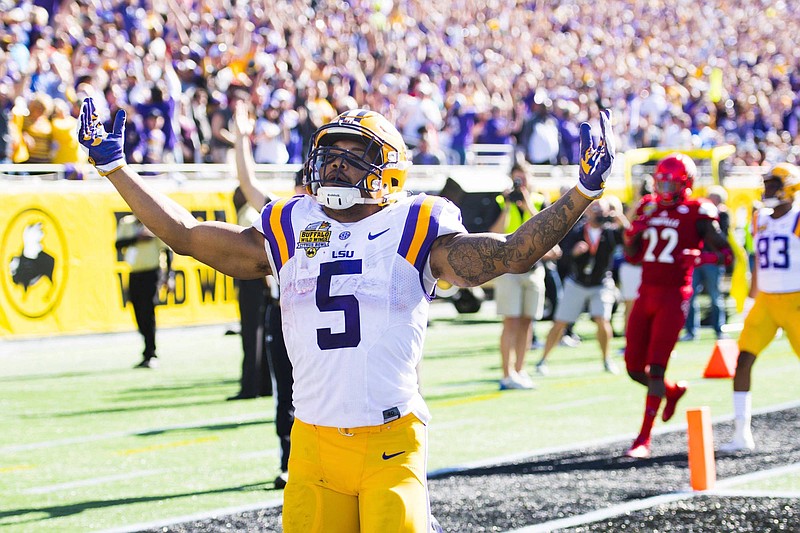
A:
(449, 73)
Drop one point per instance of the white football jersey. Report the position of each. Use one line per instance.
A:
(777, 245)
(355, 300)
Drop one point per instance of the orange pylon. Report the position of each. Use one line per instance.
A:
(702, 468)
(722, 363)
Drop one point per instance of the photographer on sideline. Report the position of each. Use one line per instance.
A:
(590, 245)
(519, 297)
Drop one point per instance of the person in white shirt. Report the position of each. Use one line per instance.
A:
(268, 143)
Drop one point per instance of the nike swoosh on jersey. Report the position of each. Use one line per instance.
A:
(389, 456)
(376, 235)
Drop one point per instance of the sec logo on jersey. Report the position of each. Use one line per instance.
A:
(33, 261)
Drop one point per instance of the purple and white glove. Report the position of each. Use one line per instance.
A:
(105, 149)
(596, 161)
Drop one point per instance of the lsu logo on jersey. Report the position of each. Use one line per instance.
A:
(316, 235)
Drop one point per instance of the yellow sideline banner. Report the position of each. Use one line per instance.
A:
(61, 273)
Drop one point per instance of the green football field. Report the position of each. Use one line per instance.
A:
(87, 442)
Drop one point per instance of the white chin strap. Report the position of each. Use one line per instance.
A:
(342, 197)
(772, 203)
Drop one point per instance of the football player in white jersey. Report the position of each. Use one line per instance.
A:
(775, 284)
(357, 261)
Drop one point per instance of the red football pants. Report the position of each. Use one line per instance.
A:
(656, 320)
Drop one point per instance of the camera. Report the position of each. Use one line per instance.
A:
(605, 219)
(516, 193)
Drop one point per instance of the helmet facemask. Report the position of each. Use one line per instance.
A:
(321, 161)
(673, 179)
(670, 191)
(382, 160)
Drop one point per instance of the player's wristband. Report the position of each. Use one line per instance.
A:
(591, 195)
(108, 168)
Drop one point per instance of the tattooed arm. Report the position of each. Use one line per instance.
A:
(467, 260)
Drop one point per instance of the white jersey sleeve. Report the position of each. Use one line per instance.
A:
(429, 218)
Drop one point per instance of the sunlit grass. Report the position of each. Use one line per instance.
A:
(87, 442)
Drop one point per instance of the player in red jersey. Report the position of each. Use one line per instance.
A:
(665, 237)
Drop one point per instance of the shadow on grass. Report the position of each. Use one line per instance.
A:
(209, 427)
(60, 511)
(197, 386)
(134, 408)
(579, 461)
(66, 375)
(462, 321)
(464, 394)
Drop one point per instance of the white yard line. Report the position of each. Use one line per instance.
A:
(259, 454)
(252, 417)
(195, 517)
(89, 482)
(578, 403)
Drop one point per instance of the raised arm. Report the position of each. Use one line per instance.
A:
(245, 164)
(467, 260)
(233, 250)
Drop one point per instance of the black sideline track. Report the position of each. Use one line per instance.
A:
(562, 485)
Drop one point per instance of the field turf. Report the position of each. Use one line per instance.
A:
(87, 442)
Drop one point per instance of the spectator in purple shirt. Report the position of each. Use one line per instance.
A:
(569, 134)
(460, 121)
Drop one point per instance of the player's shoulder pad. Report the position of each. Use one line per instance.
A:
(432, 199)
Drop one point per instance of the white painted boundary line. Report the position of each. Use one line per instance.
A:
(195, 517)
(602, 514)
(90, 482)
(638, 505)
(578, 403)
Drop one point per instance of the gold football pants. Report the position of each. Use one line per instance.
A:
(350, 480)
(770, 312)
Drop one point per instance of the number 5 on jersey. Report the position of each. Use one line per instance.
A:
(346, 303)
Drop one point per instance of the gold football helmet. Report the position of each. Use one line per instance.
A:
(384, 159)
(789, 176)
